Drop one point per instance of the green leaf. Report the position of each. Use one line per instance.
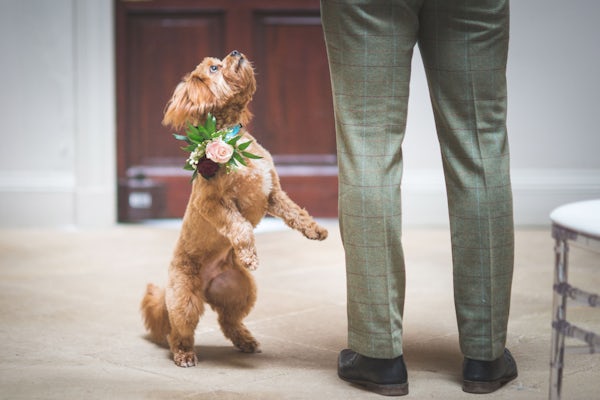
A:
(188, 167)
(198, 133)
(194, 175)
(239, 159)
(191, 129)
(190, 148)
(250, 155)
(181, 137)
(206, 135)
(195, 137)
(233, 141)
(244, 145)
(211, 123)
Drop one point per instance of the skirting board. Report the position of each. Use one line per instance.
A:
(536, 192)
(56, 201)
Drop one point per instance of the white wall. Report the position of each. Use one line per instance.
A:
(553, 108)
(57, 157)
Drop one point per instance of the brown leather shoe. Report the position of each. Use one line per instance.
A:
(488, 376)
(387, 377)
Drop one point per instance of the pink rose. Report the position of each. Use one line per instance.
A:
(219, 151)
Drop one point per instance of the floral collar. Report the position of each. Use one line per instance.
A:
(211, 149)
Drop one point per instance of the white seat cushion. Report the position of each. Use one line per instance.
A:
(583, 217)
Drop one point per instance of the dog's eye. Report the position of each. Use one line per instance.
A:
(214, 68)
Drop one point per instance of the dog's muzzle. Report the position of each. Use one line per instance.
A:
(236, 53)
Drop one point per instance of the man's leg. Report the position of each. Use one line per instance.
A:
(370, 45)
(464, 48)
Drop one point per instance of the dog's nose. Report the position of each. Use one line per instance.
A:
(235, 53)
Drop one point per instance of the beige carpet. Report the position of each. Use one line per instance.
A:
(70, 326)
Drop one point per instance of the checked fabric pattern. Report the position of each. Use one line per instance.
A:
(464, 47)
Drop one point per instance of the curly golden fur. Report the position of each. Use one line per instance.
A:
(216, 250)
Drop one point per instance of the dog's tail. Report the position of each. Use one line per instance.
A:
(154, 311)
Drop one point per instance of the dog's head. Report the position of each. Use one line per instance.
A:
(221, 87)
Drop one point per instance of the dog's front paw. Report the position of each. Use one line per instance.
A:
(316, 232)
(249, 346)
(185, 358)
(248, 258)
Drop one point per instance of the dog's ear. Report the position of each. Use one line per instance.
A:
(191, 101)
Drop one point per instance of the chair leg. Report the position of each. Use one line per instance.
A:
(559, 315)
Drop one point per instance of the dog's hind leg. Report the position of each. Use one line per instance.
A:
(280, 205)
(232, 295)
(184, 308)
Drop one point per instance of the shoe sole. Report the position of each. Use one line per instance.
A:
(392, 389)
(479, 387)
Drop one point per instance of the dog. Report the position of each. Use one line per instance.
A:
(216, 247)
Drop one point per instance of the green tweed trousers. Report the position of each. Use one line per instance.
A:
(464, 45)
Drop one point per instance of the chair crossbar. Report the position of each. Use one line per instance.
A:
(570, 330)
(580, 296)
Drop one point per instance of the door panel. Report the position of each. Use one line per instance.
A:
(160, 41)
(155, 65)
(294, 109)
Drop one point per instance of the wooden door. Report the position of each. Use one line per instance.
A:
(160, 41)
